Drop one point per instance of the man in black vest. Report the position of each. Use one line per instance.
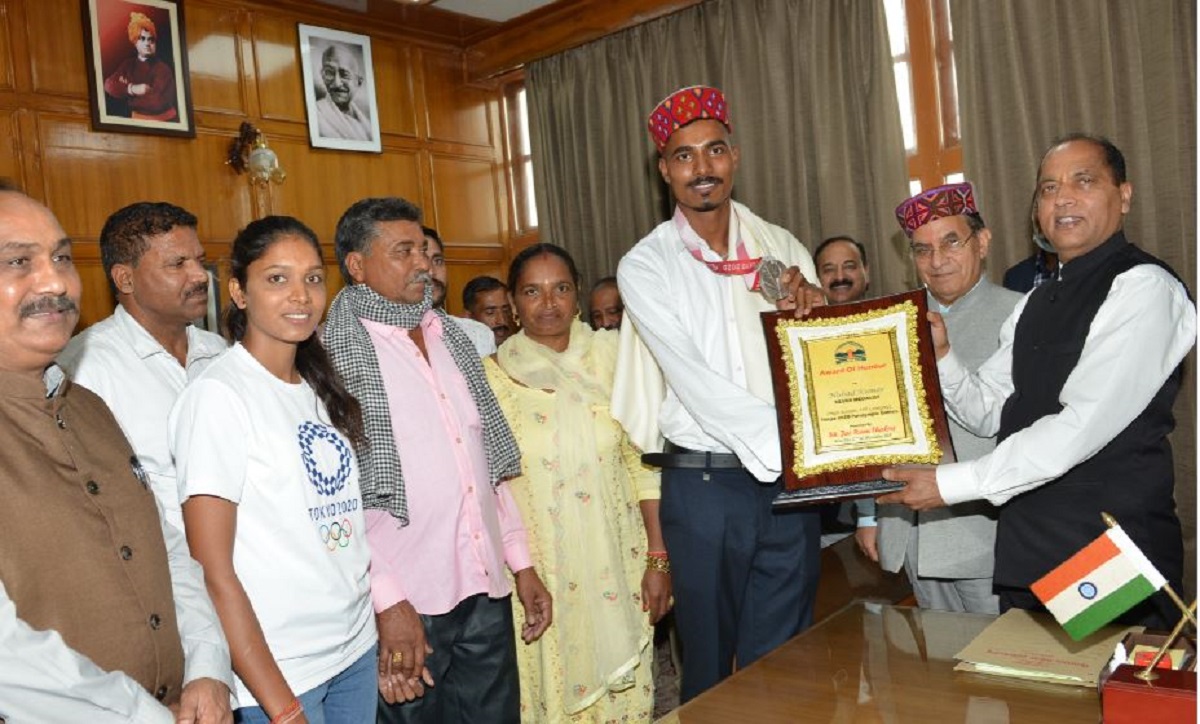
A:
(1079, 393)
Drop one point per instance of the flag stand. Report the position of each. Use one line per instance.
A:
(1148, 673)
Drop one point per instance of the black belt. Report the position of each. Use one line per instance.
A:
(674, 456)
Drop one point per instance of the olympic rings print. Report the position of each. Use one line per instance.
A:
(336, 535)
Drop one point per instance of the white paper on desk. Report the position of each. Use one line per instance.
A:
(1029, 645)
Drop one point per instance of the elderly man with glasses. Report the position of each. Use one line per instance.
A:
(948, 552)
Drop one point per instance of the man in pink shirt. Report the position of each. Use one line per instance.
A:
(440, 525)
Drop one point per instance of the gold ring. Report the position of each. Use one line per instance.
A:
(397, 658)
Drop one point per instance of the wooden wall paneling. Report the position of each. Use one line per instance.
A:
(214, 59)
(428, 24)
(14, 19)
(10, 148)
(333, 274)
(322, 184)
(96, 299)
(455, 112)
(7, 75)
(277, 67)
(465, 201)
(29, 154)
(395, 93)
(420, 96)
(88, 175)
(464, 263)
(558, 27)
(247, 63)
(54, 35)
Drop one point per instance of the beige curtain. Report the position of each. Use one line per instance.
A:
(812, 103)
(1031, 70)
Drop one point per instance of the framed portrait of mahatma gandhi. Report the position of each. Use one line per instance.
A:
(339, 89)
(137, 66)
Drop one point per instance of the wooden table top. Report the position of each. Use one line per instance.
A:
(877, 663)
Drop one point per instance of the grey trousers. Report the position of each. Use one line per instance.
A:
(970, 595)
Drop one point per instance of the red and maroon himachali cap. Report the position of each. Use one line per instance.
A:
(937, 203)
(684, 106)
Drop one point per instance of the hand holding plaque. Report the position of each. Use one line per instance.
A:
(856, 390)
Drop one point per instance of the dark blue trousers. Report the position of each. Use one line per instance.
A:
(744, 576)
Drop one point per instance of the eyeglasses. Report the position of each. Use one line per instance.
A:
(925, 251)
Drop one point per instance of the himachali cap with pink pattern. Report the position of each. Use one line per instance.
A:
(937, 203)
(684, 106)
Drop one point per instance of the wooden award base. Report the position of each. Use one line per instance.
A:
(1170, 697)
(832, 493)
(1127, 699)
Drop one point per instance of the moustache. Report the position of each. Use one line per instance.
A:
(841, 283)
(422, 277)
(41, 305)
(704, 180)
(199, 290)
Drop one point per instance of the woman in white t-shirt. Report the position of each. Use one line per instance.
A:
(263, 445)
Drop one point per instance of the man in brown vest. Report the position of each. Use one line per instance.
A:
(103, 614)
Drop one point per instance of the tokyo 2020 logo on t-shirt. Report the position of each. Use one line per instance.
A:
(327, 457)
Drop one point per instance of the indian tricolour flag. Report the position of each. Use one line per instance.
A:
(1097, 584)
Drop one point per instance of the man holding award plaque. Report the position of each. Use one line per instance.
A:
(948, 552)
(1079, 393)
(744, 577)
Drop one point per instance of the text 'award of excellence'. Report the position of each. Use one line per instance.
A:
(856, 391)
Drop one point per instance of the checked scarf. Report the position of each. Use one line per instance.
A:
(353, 355)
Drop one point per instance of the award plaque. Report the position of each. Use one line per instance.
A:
(856, 391)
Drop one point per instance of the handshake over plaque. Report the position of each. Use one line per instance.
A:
(856, 391)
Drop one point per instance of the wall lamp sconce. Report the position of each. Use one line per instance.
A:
(249, 153)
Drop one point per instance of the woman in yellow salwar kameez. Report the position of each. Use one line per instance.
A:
(590, 507)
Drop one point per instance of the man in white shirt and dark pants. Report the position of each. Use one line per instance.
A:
(1079, 393)
(139, 359)
(744, 576)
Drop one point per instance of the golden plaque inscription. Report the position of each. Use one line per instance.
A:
(856, 392)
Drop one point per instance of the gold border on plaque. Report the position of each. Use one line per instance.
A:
(918, 387)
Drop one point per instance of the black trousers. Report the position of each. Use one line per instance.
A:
(744, 576)
(474, 668)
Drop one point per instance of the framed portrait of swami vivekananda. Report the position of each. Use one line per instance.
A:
(137, 67)
(856, 391)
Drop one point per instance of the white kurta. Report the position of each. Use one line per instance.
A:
(704, 331)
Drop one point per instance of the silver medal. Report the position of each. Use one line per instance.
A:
(770, 279)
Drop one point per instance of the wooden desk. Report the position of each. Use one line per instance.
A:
(878, 663)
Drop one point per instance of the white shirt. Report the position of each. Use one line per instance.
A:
(1141, 332)
(705, 334)
(46, 680)
(479, 333)
(139, 380)
(300, 550)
